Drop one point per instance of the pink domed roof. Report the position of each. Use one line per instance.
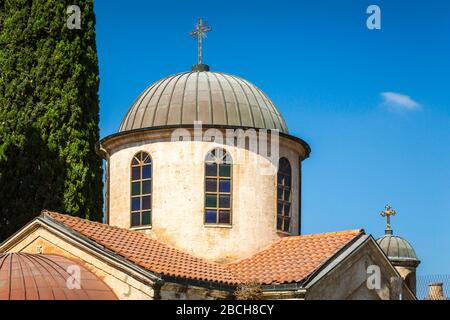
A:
(26, 276)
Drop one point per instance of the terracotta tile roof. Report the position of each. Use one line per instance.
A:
(44, 277)
(290, 259)
(146, 252)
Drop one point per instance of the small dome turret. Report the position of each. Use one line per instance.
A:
(399, 251)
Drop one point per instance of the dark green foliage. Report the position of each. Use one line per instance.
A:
(48, 113)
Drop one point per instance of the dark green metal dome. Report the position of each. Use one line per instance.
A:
(397, 249)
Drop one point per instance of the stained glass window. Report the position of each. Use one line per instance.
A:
(218, 187)
(141, 190)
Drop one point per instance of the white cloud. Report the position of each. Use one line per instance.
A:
(399, 101)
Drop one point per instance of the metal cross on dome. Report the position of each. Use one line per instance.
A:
(388, 213)
(199, 32)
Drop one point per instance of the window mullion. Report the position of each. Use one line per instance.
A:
(142, 202)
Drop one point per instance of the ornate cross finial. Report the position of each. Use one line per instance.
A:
(388, 213)
(199, 32)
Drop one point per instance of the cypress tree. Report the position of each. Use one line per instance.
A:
(49, 112)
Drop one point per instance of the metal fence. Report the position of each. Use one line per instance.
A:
(424, 281)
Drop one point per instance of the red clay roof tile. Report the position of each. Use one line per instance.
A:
(290, 259)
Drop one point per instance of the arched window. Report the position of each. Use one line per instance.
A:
(141, 190)
(218, 187)
(284, 196)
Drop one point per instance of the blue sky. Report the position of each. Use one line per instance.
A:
(341, 87)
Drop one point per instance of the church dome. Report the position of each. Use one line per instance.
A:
(397, 249)
(214, 98)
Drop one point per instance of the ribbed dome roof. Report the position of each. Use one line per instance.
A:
(397, 248)
(210, 97)
(26, 276)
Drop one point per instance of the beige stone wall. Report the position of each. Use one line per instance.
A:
(123, 284)
(348, 281)
(178, 196)
(409, 275)
(174, 291)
